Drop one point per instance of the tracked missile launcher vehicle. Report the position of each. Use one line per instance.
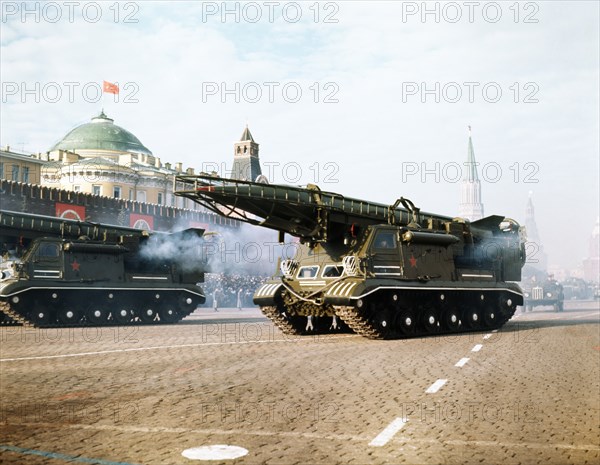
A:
(75, 273)
(385, 271)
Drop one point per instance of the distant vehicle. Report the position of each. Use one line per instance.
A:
(384, 271)
(75, 273)
(577, 289)
(549, 292)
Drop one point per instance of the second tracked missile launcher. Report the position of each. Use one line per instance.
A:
(384, 271)
(78, 273)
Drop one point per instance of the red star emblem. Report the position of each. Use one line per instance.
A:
(413, 261)
(75, 265)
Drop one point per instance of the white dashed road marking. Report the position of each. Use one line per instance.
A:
(388, 433)
(462, 362)
(435, 387)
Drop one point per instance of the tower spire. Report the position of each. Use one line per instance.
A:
(539, 258)
(246, 135)
(471, 165)
(246, 165)
(470, 206)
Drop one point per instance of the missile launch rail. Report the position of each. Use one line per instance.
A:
(384, 271)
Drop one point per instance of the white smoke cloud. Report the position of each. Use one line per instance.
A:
(245, 250)
(186, 249)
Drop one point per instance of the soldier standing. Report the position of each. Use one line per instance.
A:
(239, 299)
(215, 297)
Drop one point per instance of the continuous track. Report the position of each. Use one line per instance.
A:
(9, 317)
(35, 312)
(282, 321)
(387, 316)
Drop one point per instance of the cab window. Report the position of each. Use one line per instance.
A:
(48, 251)
(308, 272)
(333, 271)
(385, 240)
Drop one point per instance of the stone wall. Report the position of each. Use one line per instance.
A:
(41, 200)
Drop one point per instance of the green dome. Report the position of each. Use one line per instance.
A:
(101, 134)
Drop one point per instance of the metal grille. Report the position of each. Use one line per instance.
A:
(537, 293)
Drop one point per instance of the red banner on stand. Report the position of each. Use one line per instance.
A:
(141, 221)
(70, 212)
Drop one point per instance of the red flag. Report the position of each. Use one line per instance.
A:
(110, 88)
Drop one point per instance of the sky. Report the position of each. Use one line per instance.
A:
(368, 99)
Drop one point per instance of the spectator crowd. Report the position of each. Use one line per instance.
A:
(230, 290)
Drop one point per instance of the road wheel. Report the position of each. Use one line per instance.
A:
(168, 314)
(121, 315)
(40, 316)
(187, 303)
(147, 313)
(406, 322)
(490, 317)
(429, 320)
(472, 318)
(68, 315)
(96, 315)
(451, 319)
(383, 321)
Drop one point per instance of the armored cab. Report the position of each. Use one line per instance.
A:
(385, 271)
(73, 273)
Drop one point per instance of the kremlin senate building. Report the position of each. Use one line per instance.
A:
(101, 158)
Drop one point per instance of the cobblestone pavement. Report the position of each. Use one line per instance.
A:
(142, 395)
